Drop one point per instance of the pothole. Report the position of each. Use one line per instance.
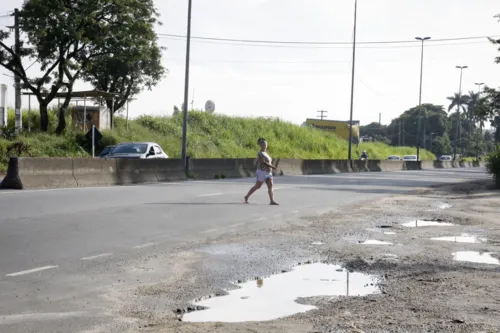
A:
(476, 257)
(275, 297)
(427, 223)
(464, 238)
(374, 242)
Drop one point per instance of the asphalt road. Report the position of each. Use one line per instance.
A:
(57, 247)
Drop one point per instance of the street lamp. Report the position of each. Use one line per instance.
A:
(352, 81)
(186, 88)
(420, 94)
(458, 111)
(479, 87)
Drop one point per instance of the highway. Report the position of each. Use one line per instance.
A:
(60, 249)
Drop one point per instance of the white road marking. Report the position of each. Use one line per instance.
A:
(34, 270)
(211, 194)
(236, 225)
(98, 256)
(278, 188)
(145, 245)
(208, 231)
(261, 219)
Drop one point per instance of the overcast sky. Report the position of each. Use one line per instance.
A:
(295, 81)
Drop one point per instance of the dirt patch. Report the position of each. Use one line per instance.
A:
(422, 288)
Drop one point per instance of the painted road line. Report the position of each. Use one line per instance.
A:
(211, 194)
(144, 245)
(261, 219)
(34, 270)
(236, 225)
(102, 255)
(208, 231)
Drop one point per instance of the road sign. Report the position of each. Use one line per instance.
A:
(210, 106)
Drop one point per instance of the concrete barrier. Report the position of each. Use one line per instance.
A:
(170, 169)
(412, 165)
(95, 172)
(217, 168)
(144, 171)
(386, 165)
(40, 172)
(288, 167)
(360, 166)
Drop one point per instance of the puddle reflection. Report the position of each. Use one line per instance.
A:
(424, 223)
(464, 238)
(476, 257)
(276, 298)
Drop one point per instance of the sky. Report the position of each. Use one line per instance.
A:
(294, 81)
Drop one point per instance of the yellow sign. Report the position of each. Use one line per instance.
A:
(341, 128)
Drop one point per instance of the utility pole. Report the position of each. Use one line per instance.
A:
(17, 79)
(349, 152)
(322, 114)
(399, 134)
(457, 134)
(186, 86)
(422, 39)
(480, 135)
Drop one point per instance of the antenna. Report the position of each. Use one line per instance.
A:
(322, 114)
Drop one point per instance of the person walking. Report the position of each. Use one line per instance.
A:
(264, 172)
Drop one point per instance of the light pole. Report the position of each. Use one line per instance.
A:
(479, 86)
(422, 39)
(349, 153)
(457, 135)
(186, 87)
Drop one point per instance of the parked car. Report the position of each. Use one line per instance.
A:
(141, 150)
(410, 158)
(446, 158)
(106, 151)
(394, 158)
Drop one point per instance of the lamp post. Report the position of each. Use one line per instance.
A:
(422, 39)
(349, 153)
(186, 87)
(457, 134)
(479, 86)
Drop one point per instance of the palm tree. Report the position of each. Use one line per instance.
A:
(472, 105)
(462, 104)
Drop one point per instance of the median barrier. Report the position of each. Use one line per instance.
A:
(412, 165)
(217, 168)
(170, 169)
(26, 172)
(137, 171)
(387, 165)
(288, 167)
(360, 166)
(95, 172)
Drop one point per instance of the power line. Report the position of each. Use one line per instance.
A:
(253, 41)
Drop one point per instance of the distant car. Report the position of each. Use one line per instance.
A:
(106, 151)
(410, 158)
(394, 158)
(445, 158)
(140, 150)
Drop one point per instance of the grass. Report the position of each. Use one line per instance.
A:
(209, 136)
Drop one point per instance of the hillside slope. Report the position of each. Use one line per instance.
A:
(209, 136)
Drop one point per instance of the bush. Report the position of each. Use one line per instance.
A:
(493, 165)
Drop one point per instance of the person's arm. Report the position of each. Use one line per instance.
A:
(261, 160)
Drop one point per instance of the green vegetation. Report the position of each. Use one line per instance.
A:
(209, 136)
(493, 165)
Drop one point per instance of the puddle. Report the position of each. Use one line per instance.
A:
(317, 243)
(464, 238)
(444, 205)
(276, 296)
(424, 223)
(375, 242)
(476, 257)
(389, 233)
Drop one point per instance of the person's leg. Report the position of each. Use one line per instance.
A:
(269, 182)
(254, 188)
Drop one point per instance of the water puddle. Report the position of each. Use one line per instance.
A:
(317, 243)
(444, 205)
(375, 242)
(426, 223)
(275, 297)
(389, 233)
(464, 238)
(476, 257)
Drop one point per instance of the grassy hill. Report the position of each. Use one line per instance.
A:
(209, 136)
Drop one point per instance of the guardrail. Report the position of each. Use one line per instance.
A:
(26, 172)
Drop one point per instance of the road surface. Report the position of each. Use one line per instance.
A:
(61, 249)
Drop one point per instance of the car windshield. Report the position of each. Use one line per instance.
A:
(107, 150)
(131, 148)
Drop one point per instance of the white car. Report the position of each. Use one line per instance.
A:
(445, 158)
(140, 150)
(394, 158)
(410, 158)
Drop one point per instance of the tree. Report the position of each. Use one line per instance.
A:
(442, 145)
(65, 36)
(460, 101)
(133, 65)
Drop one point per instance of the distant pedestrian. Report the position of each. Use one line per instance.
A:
(264, 172)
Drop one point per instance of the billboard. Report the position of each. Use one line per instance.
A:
(341, 128)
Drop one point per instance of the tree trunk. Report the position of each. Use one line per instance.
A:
(44, 118)
(61, 114)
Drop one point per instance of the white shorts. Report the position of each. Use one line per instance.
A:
(262, 175)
